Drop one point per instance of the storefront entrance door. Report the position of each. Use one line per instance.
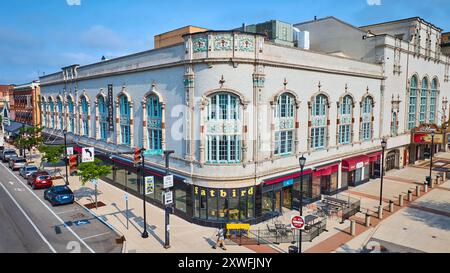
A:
(287, 197)
(277, 203)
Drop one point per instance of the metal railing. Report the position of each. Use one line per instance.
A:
(277, 236)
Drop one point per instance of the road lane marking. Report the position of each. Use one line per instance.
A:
(98, 235)
(49, 209)
(29, 219)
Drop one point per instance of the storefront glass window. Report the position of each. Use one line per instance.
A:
(233, 206)
(242, 204)
(203, 206)
(212, 206)
(159, 189)
(180, 197)
(222, 209)
(250, 206)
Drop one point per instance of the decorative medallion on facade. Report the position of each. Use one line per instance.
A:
(284, 124)
(154, 124)
(318, 121)
(222, 43)
(200, 44)
(246, 43)
(223, 127)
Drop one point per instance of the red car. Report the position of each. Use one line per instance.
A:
(40, 180)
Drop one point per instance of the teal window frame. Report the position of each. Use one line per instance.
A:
(367, 126)
(412, 103)
(318, 133)
(125, 129)
(154, 112)
(85, 115)
(223, 148)
(103, 113)
(433, 98)
(423, 101)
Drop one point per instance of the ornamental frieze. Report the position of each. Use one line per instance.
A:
(223, 43)
(200, 44)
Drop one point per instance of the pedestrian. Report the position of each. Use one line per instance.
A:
(220, 239)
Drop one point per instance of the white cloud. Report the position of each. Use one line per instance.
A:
(374, 2)
(73, 2)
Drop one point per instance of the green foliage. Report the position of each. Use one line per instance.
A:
(90, 171)
(29, 137)
(51, 154)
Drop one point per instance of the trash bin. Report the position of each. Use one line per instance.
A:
(293, 249)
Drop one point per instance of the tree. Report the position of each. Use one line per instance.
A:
(52, 154)
(90, 171)
(29, 137)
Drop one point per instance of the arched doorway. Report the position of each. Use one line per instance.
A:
(392, 160)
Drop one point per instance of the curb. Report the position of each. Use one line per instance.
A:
(107, 224)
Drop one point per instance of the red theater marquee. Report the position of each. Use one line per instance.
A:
(422, 134)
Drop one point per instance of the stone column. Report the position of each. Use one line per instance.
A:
(118, 134)
(245, 134)
(190, 115)
(144, 125)
(272, 129)
(131, 123)
(203, 105)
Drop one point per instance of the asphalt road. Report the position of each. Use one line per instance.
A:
(29, 224)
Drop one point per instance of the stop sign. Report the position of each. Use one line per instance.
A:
(298, 222)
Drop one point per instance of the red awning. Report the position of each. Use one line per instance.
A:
(350, 164)
(374, 157)
(327, 170)
(286, 177)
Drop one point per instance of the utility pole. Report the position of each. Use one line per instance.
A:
(168, 207)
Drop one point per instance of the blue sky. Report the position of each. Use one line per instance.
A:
(43, 36)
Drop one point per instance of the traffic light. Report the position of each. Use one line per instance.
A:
(137, 157)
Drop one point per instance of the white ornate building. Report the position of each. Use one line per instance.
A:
(239, 111)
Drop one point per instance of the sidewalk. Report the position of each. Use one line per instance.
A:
(185, 237)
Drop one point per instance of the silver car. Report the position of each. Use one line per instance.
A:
(26, 171)
(16, 162)
(7, 154)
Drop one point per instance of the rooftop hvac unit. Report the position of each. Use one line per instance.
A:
(301, 38)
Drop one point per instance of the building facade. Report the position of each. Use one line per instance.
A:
(239, 111)
(5, 90)
(25, 104)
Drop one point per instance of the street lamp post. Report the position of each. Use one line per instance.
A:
(168, 207)
(383, 146)
(302, 161)
(65, 156)
(430, 183)
(144, 233)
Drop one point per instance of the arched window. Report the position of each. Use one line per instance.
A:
(154, 123)
(71, 107)
(125, 128)
(52, 112)
(223, 135)
(423, 101)
(433, 95)
(366, 132)
(103, 114)
(319, 122)
(412, 103)
(284, 123)
(85, 115)
(345, 121)
(60, 113)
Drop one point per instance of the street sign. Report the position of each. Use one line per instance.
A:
(69, 151)
(298, 222)
(153, 152)
(87, 155)
(149, 185)
(168, 198)
(168, 181)
(126, 196)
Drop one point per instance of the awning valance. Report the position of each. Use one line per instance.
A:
(351, 164)
(374, 157)
(327, 170)
(286, 177)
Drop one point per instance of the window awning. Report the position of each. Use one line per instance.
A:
(351, 164)
(327, 170)
(286, 177)
(374, 157)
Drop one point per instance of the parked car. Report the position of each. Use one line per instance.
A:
(7, 153)
(59, 195)
(16, 162)
(40, 180)
(28, 170)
